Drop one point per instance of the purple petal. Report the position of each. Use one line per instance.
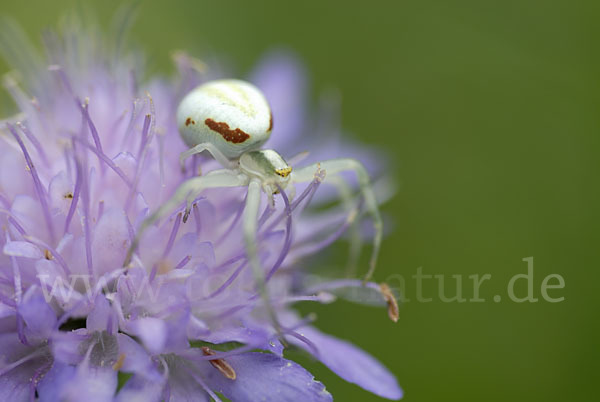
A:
(51, 387)
(61, 192)
(91, 384)
(126, 162)
(13, 181)
(138, 389)
(6, 311)
(14, 385)
(38, 316)
(136, 359)
(196, 328)
(183, 382)
(201, 253)
(22, 249)
(351, 363)
(19, 364)
(28, 213)
(102, 317)
(177, 332)
(111, 240)
(265, 377)
(66, 345)
(152, 332)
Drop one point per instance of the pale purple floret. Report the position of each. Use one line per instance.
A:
(89, 154)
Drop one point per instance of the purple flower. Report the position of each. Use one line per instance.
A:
(90, 153)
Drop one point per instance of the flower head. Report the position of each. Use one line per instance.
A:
(90, 153)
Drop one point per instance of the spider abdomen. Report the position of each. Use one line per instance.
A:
(233, 115)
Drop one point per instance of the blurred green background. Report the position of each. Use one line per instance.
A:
(490, 111)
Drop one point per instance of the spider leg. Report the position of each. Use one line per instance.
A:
(346, 195)
(187, 191)
(299, 157)
(269, 192)
(291, 193)
(335, 166)
(250, 224)
(211, 149)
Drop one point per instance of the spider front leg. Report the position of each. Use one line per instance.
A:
(346, 194)
(187, 191)
(250, 226)
(335, 166)
(211, 149)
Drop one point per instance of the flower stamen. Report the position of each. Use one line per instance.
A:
(86, 115)
(220, 364)
(119, 363)
(36, 181)
(174, 231)
(390, 299)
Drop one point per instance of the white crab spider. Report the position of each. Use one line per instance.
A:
(231, 120)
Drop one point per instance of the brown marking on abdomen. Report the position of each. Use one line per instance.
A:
(270, 122)
(236, 136)
(189, 121)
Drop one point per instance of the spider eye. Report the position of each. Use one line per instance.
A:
(284, 172)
